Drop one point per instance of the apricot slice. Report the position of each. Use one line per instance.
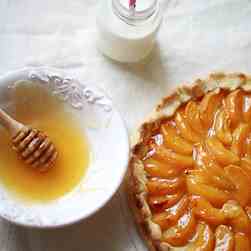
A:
(222, 128)
(224, 239)
(233, 107)
(218, 178)
(185, 130)
(241, 242)
(165, 201)
(239, 136)
(180, 233)
(205, 211)
(209, 106)
(201, 156)
(172, 158)
(215, 196)
(192, 113)
(248, 146)
(198, 175)
(242, 192)
(204, 239)
(173, 141)
(247, 108)
(170, 216)
(156, 186)
(246, 166)
(219, 152)
(248, 212)
(155, 168)
(213, 176)
(237, 217)
(214, 173)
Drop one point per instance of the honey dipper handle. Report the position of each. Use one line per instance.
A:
(9, 123)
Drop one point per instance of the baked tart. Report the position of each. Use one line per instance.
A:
(189, 179)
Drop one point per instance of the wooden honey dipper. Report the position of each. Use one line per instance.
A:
(32, 145)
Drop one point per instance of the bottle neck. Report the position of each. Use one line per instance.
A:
(143, 11)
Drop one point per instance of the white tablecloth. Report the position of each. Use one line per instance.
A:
(196, 38)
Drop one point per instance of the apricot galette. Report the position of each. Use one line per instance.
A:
(190, 170)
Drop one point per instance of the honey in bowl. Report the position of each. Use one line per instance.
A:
(32, 104)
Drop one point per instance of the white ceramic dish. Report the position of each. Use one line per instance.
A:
(109, 145)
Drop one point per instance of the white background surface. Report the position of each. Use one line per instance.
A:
(197, 37)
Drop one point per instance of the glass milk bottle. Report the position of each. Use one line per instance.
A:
(126, 31)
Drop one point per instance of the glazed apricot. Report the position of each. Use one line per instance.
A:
(240, 179)
(192, 113)
(172, 214)
(180, 233)
(204, 239)
(222, 127)
(214, 195)
(173, 141)
(233, 105)
(224, 239)
(206, 212)
(208, 107)
(158, 186)
(221, 154)
(239, 136)
(172, 158)
(185, 129)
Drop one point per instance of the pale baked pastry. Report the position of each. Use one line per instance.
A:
(190, 171)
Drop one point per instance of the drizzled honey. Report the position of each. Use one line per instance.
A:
(33, 105)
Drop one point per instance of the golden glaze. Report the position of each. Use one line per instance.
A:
(196, 174)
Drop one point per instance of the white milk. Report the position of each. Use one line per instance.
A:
(127, 35)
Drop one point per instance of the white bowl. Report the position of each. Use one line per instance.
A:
(109, 145)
